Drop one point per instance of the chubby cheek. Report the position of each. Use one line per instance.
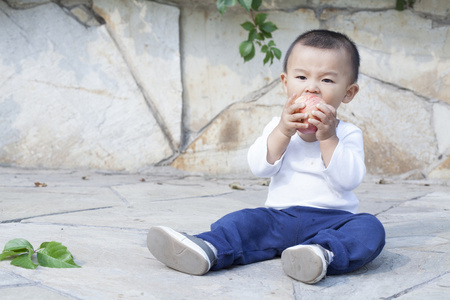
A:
(335, 102)
(287, 88)
(331, 99)
(293, 88)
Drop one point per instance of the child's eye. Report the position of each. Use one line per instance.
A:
(327, 80)
(301, 77)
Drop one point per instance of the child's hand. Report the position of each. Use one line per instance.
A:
(280, 137)
(326, 125)
(290, 118)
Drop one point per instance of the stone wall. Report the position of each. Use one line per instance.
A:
(125, 85)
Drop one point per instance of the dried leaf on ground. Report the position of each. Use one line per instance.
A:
(236, 186)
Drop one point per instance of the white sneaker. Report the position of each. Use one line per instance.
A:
(306, 263)
(180, 251)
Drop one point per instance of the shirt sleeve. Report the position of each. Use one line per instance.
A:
(257, 154)
(347, 169)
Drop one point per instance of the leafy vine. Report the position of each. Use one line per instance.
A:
(259, 31)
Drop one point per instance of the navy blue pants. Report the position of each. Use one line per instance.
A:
(252, 235)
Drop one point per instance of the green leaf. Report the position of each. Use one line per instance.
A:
(16, 247)
(266, 34)
(260, 18)
(260, 36)
(18, 244)
(24, 261)
(250, 56)
(55, 255)
(258, 31)
(400, 5)
(252, 35)
(268, 27)
(245, 48)
(43, 245)
(264, 49)
(247, 4)
(223, 4)
(277, 53)
(221, 7)
(248, 25)
(269, 56)
(256, 4)
(9, 253)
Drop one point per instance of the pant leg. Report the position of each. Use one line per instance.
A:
(251, 235)
(355, 241)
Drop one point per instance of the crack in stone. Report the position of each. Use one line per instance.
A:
(17, 285)
(56, 291)
(104, 115)
(148, 100)
(399, 204)
(415, 287)
(249, 98)
(437, 21)
(31, 283)
(91, 226)
(401, 88)
(122, 198)
(21, 30)
(194, 197)
(295, 294)
(18, 220)
(99, 92)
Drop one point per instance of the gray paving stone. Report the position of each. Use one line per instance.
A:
(8, 279)
(31, 292)
(103, 219)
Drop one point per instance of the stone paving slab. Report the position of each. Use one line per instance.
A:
(103, 219)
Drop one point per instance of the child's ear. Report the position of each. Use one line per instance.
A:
(283, 77)
(352, 90)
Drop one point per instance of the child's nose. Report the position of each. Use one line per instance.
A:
(312, 87)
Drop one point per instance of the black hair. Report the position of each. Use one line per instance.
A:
(326, 39)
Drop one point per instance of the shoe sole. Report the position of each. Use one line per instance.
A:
(304, 263)
(177, 251)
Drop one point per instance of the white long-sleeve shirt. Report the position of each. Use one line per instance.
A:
(300, 178)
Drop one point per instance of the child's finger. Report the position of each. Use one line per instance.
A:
(319, 117)
(291, 100)
(292, 108)
(298, 117)
(327, 110)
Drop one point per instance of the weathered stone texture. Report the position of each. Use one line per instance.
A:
(291, 5)
(67, 97)
(223, 146)
(84, 15)
(441, 117)
(72, 3)
(385, 114)
(434, 7)
(121, 85)
(406, 51)
(23, 4)
(442, 171)
(146, 33)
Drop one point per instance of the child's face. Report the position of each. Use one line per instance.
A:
(323, 72)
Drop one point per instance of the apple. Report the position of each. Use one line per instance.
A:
(311, 102)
